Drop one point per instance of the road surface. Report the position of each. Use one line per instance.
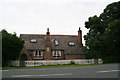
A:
(92, 71)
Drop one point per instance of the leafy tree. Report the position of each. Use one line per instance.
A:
(93, 39)
(111, 42)
(11, 47)
(103, 38)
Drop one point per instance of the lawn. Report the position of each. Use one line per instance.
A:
(48, 66)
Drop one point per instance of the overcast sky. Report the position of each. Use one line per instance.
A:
(61, 16)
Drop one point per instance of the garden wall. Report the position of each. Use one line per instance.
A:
(54, 62)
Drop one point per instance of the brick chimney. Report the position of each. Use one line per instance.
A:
(48, 52)
(80, 37)
(48, 33)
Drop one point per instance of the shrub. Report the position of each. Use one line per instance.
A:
(72, 62)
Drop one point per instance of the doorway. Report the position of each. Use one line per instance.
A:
(23, 58)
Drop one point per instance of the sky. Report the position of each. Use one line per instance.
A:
(60, 16)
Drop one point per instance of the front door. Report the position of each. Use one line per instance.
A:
(23, 58)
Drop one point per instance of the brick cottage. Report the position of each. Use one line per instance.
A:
(52, 47)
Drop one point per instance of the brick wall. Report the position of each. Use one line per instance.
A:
(75, 57)
(26, 52)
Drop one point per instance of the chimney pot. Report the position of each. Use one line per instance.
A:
(48, 33)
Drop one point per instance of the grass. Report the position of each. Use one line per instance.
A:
(48, 66)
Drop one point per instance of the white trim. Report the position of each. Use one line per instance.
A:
(56, 53)
(34, 52)
(33, 40)
(42, 53)
(60, 53)
(56, 42)
(39, 54)
(71, 43)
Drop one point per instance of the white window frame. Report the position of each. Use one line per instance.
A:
(55, 53)
(56, 42)
(71, 43)
(60, 53)
(33, 40)
(38, 54)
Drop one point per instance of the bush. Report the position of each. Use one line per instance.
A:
(72, 62)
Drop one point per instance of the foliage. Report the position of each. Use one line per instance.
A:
(11, 46)
(102, 40)
(72, 62)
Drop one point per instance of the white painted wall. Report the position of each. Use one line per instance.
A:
(56, 62)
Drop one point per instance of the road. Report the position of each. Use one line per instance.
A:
(92, 71)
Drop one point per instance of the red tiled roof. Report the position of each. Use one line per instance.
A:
(50, 35)
(32, 34)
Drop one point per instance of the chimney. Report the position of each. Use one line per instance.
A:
(48, 43)
(48, 33)
(80, 37)
(48, 52)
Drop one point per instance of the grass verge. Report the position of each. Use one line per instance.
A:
(48, 66)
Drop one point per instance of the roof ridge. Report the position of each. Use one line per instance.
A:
(50, 35)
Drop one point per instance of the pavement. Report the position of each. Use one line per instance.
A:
(92, 71)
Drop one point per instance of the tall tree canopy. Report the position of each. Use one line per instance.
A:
(103, 38)
(11, 47)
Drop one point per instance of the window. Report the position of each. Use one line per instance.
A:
(71, 43)
(30, 54)
(56, 43)
(33, 40)
(56, 53)
(38, 54)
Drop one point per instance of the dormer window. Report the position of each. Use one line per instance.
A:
(33, 40)
(71, 43)
(56, 43)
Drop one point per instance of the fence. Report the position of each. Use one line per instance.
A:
(54, 62)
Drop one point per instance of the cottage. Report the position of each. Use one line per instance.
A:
(52, 47)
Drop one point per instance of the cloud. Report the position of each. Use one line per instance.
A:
(61, 16)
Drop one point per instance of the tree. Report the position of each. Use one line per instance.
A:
(11, 47)
(102, 40)
(93, 38)
(111, 41)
